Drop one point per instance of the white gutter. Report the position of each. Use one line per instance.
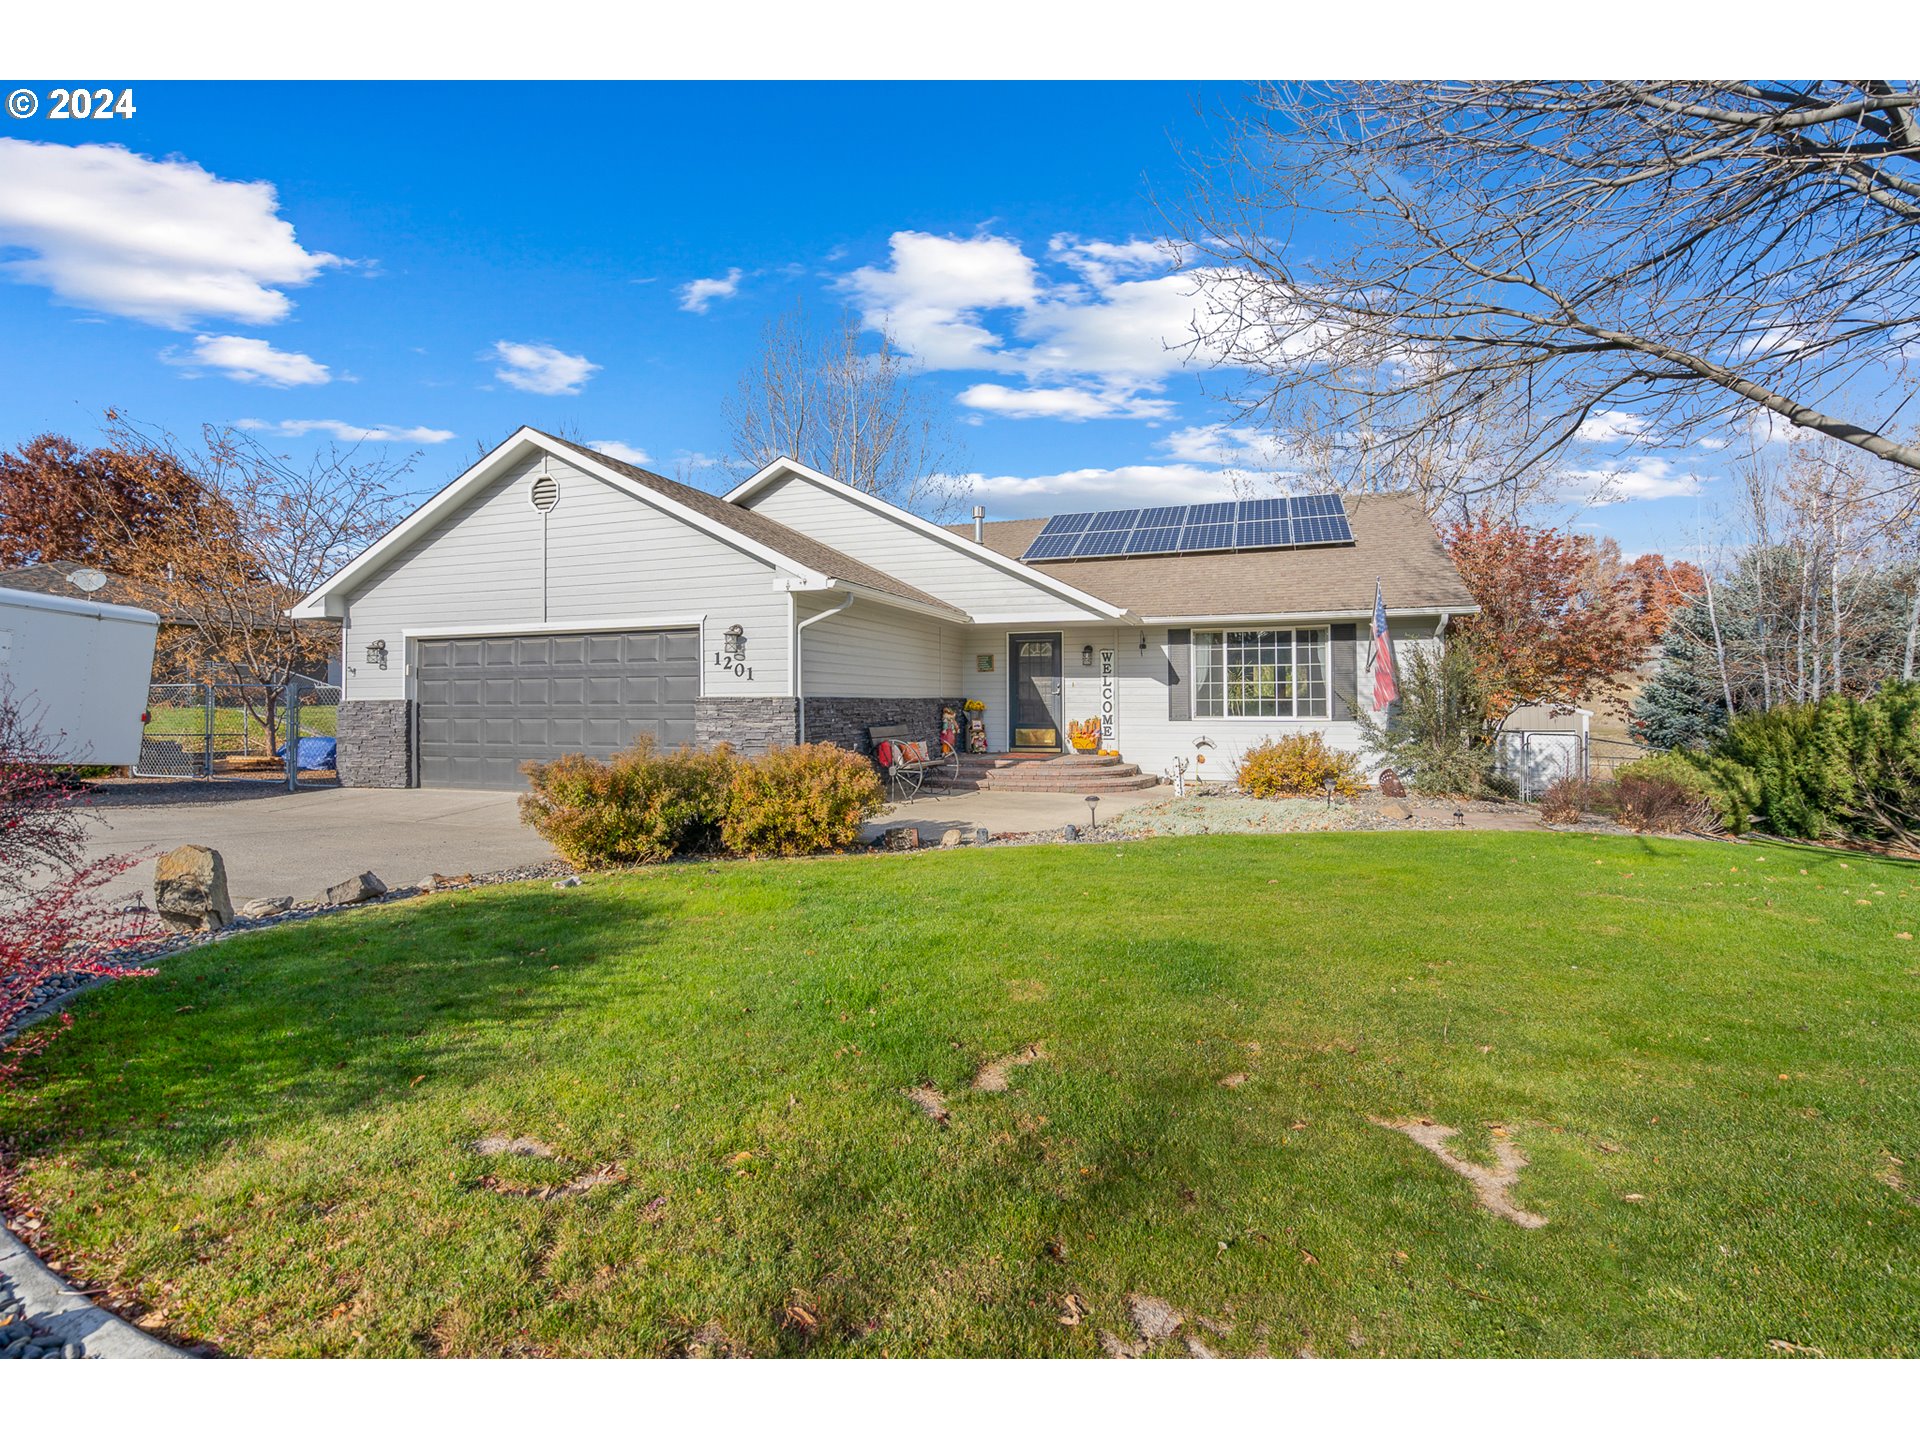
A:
(799, 649)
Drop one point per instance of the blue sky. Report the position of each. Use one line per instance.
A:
(441, 263)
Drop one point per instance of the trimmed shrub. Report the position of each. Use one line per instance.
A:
(639, 808)
(800, 799)
(1299, 764)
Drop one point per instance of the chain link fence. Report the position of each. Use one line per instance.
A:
(205, 731)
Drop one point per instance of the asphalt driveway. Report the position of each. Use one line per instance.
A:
(280, 844)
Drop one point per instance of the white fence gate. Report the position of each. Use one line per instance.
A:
(1534, 759)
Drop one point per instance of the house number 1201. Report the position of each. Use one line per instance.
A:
(732, 665)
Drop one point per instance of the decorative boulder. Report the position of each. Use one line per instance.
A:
(190, 889)
(952, 838)
(267, 905)
(365, 886)
(1396, 812)
(900, 837)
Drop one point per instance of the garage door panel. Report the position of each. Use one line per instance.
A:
(489, 704)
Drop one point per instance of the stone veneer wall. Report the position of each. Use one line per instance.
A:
(843, 720)
(375, 743)
(752, 724)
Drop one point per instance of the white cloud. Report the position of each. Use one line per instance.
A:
(1232, 445)
(1603, 426)
(350, 434)
(698, 295)
(163, 241)
(241, 357)
(1096, 321)
(541, 369)
(1062, 403)
(1642, 477)
(620, 450)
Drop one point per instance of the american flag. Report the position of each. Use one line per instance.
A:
(1385, 690)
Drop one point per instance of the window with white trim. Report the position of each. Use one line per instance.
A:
(1277, 674)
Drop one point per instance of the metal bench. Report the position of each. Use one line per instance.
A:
(904, 780)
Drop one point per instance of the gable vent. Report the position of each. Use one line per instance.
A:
(545, 493)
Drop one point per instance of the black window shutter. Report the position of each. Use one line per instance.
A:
(1179, 675)
(1345, 667)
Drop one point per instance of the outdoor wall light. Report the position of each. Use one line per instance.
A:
(735, 642)
(377, 654)
(1086, 656)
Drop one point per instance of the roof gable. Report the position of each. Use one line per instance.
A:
(816, 565)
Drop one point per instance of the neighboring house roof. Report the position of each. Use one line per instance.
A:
(771, 541)
(55, 577)
(770, 533)
(1394, 542)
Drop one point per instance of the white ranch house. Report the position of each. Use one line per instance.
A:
(553, 599)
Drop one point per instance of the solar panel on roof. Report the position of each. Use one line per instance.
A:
(1051, 547)
(1271, 523)
(1261, 534)
(1067, 524)
(1160, 540)
(1206, 537)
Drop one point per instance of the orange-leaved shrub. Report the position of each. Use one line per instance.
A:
(799, 799)
(1299, 764)
(643, 806)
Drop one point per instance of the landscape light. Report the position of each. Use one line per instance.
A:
(1093, 811)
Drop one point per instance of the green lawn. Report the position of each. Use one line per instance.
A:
(1709, 1054)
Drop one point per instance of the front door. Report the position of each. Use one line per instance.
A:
(1036, 691)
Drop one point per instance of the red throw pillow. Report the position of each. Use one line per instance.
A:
(883, 752)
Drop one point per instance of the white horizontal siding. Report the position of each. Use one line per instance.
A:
(607, 556)
(874, 650)
(1142, 732)
(976, 586)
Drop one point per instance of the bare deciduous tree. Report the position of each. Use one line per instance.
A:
(261, 532)
(859, 415)
(1544, 257)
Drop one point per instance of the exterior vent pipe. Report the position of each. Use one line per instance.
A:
(979, 524)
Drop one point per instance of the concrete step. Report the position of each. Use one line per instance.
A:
(1048, 763)
(1082, 784)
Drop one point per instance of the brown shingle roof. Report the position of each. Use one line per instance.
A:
(801, 548)
(54, 577)
(1393, 540)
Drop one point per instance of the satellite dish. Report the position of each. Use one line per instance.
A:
(86, 579)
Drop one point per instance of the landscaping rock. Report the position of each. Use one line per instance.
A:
(190, 889)
(1069, 832)
(364, 886)
(900, 837)
(566, 884)
(1396, 812)
(982, 835)
(269, 905)
(953, 838)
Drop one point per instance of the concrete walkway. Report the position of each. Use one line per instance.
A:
(1005, 811)
(280, 844)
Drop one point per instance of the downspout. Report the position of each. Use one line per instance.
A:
(799, 649)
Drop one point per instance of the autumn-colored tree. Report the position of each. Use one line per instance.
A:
(59, 501)
(1660, 587)
(1555, 627)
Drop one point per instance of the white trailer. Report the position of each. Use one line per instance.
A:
(80, 670)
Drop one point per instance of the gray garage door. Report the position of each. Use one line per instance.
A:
(486, 705)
